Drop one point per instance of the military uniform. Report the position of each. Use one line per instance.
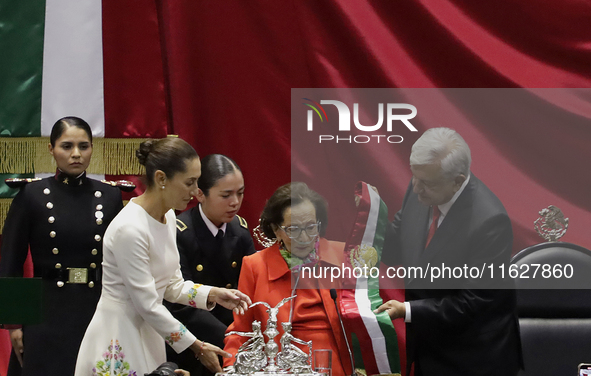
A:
(61, 220)
(210, 261)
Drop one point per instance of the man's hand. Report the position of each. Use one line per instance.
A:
(16, 337)
(394, 308)
(358, 198)
(230, 299)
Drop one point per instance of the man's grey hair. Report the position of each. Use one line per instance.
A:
(444, 146)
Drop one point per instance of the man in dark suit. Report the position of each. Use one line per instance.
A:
(462, 324)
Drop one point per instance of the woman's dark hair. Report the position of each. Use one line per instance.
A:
(213, 168)
(169, 155)
(69, 121)
(291, 194)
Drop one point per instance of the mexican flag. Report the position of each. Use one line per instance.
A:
(52, 65)
(98, 60)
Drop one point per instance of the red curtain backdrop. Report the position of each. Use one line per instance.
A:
(231, 66)
(219, 74)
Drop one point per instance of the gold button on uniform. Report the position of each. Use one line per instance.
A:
(91, 284)
(52, 234)
(55, 251)
(199, 267)
(97, 238)
(93, 265)
(49, 205)
(58, 266)
(60, 284)
(234, 264)
(51, 219)
(94, 252)
(46, 191)
(229, 286)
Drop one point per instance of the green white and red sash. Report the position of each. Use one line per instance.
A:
(375, 333)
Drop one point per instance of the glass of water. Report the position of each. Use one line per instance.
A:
(323, 362)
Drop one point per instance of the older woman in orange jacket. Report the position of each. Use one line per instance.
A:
(295, 217)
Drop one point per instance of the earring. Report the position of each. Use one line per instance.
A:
(162, 187)
(261, 238)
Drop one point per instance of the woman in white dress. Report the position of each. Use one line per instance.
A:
(129, 329)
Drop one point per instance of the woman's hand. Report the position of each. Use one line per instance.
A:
(182, 372)
(230, 299)
(16, 337)
(208, 355)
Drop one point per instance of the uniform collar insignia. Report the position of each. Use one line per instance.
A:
(66, 179)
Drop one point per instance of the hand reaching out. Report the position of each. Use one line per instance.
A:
(230, 299)
(208, 355)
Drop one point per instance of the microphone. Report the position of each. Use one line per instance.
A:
(333, 295)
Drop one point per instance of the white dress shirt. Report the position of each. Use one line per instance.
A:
(213, 228)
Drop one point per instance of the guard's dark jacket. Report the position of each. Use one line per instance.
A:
(210, 261)
(62, 220)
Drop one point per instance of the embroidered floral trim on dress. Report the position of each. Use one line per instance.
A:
(193, 294)
(176, 336)
(113, 363)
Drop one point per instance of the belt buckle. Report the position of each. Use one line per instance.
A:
(77, 275)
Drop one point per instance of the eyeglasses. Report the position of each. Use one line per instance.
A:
(294, 232)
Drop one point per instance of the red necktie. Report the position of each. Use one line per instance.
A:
(434, 223)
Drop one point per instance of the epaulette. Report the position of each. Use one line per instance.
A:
(181, 225)
(124, 185)
(19, 182)
(242, 222)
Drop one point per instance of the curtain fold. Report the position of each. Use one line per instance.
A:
(231, 67)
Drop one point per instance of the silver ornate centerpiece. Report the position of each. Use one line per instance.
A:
(257, 357)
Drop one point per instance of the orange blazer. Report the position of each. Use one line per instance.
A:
(266, 277)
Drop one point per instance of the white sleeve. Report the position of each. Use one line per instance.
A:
(407, 315)
(187, 292)
(130, 247)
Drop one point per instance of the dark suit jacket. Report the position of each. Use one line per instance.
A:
(459, 326)
(207, 261)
